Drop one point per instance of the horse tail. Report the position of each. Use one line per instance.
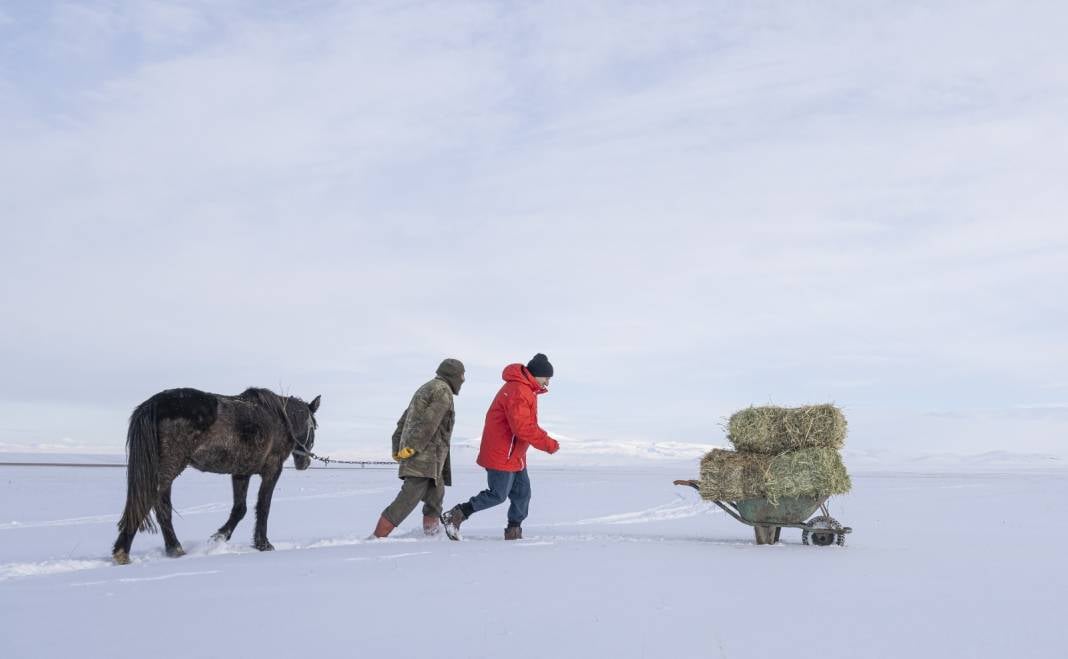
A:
(142, 469)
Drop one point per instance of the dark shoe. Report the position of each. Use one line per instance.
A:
(513, 533)
(431, 525)
(452, 519)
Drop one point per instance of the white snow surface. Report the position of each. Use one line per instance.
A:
(616, 561)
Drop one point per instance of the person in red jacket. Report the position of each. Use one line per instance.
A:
(511, 427)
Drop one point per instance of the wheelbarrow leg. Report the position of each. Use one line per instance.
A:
(766, 535)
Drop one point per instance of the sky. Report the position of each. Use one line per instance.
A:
(690, 207)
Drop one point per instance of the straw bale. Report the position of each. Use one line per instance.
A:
(734, 475)
(773, 430)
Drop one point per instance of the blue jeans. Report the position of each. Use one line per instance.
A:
(501, 485)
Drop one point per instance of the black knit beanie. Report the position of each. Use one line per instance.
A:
(540, 367)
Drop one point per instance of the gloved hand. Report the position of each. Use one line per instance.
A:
(405, 453)
(554, 447)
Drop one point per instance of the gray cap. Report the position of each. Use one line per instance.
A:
(452, 371)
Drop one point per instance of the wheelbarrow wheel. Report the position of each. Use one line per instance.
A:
(820, 537)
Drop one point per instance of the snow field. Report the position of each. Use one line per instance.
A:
(616, 561)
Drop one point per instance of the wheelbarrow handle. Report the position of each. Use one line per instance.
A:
(691, 483)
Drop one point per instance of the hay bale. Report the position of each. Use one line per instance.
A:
(811, 472)
(772, 430)
(732, 476)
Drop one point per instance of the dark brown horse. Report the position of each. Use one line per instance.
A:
(251, 433)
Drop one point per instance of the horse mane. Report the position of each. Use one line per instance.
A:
(263, 397)
(272, 402)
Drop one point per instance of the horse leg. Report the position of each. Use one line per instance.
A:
(163, 516)
(237, 513)
(263, 507)
(128, 527)
(121, 551)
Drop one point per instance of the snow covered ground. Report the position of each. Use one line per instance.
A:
(617, 562)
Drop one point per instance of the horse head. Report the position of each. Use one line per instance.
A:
(302, 417)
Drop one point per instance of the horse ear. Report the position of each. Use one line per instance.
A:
(314, 405)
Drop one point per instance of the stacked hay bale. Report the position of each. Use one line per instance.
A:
(781, 452)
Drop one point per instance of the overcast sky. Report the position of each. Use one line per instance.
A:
(689, 206)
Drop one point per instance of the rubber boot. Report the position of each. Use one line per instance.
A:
(431, 525)
(383, 528)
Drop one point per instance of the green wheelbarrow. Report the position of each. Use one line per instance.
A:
(768, 519)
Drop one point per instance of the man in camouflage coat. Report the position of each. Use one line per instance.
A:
(421, 445)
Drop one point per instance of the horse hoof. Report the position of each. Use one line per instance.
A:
(121, 558)
(264, 546)
(220, 537)
(175, 552)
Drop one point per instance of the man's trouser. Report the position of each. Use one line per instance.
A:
(415, 489)
(511, 485)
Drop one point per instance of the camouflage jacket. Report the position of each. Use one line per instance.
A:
(426, 427)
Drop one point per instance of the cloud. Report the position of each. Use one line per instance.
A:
(689, 207)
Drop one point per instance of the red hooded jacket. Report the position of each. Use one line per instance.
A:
(512, 423)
